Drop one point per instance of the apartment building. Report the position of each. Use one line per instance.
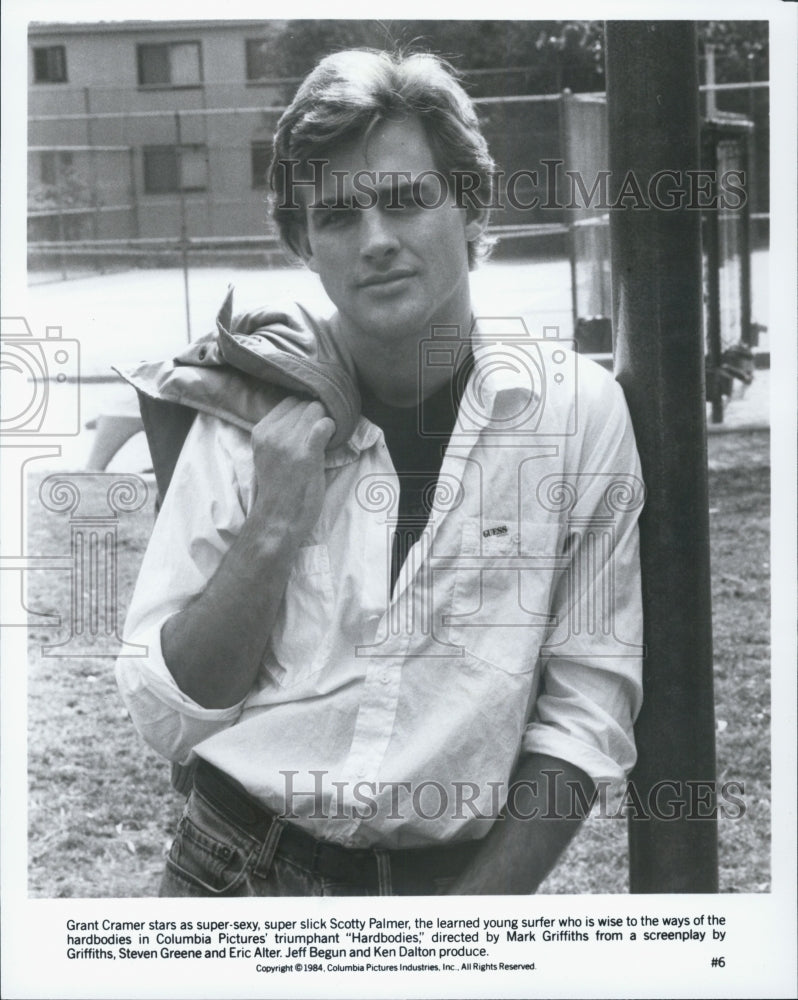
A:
(150, 129)
(142, 129)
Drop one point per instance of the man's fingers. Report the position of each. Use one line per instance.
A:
(321, 433)
(286, 405)
(298, 420)
(308, 418)
(315, 427)
(288, 411)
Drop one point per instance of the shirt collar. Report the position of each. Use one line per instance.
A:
(506, 371)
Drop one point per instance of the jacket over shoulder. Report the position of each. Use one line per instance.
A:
(239, 373)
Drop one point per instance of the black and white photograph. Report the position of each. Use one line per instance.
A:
(398, 441)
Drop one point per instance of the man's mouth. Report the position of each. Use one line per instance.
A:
(384, 278)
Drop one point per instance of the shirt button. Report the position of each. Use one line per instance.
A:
(385, 678)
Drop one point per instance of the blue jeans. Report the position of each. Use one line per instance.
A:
(227, 845)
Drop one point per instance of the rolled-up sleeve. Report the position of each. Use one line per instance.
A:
(591, 664)
(202, 513)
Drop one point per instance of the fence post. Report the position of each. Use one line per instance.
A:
(134, 193)
(60, 195)
(183, 221)
(652, 97)
(714, 349)
(748, 140)
(93, 173)
(564, 112)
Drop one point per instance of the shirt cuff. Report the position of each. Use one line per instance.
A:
(170, 721)
(597, 763)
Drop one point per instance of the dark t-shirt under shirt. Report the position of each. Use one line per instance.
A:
(416, 438)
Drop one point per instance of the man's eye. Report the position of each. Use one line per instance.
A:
(336, 215)
(403, 200)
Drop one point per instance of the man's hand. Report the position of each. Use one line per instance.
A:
(519, 852)
(214, 646)
(288, 451)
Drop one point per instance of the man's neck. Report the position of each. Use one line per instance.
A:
(391, 368)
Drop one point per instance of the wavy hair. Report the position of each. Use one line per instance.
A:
(347, 94)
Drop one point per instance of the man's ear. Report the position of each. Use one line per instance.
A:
(476, 222)
(305, 251)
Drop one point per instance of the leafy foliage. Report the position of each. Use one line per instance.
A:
(741, 49)
(506, 57)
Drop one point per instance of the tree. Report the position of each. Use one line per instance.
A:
(506, 57)
(496, 57)
(741, 49)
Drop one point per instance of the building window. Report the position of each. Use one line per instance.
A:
(54, 166)
(258, 62)
(172, 64)
(261, 158)
(168, 169)
(49, 64)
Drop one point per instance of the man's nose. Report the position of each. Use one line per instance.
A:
(379, 240)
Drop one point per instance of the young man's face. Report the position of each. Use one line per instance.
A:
(390, 271)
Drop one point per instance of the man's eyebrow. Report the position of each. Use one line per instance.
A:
(403, 182)
(394, 179)
(334, 202)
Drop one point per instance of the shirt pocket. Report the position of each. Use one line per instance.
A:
(302, 629)
(501, 602)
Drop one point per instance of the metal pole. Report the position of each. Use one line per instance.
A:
(60, 195)
(134, 194)
(709, 161)
(652, 91)
(747, 141)
(566, 145)
(712, 104)
(93, 172)
(183, 222)
(751, 166)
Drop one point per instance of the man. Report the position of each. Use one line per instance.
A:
(400, 659)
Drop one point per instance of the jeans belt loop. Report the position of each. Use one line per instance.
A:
(269, 847)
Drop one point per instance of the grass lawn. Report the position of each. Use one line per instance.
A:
(101, 808)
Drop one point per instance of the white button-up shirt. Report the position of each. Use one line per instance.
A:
(395, 719)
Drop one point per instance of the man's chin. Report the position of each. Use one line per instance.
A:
(392, 320)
